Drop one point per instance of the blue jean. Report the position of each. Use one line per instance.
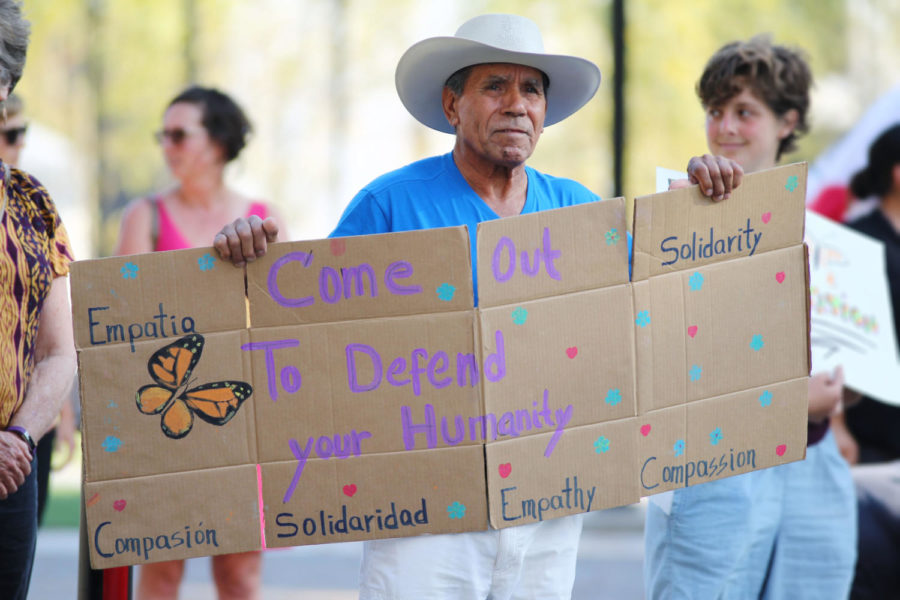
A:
(783, 532)
(18, 533)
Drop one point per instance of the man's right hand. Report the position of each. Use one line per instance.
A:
(15, 463)
(246, 239)
(717, 176)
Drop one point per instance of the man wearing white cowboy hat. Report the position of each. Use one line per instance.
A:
(494, 87)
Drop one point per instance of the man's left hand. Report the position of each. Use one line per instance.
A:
(246, 239)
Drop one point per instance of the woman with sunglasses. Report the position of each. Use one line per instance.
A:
(203, 130)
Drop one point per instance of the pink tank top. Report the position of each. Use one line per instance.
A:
(168, 236)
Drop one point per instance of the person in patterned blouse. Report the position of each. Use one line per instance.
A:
(37, 351)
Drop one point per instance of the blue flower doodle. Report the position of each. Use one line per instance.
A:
(613, 396)
(695, 373)
(643, 318)
(765, 399)
(757, 343)
(445, 292)
(612, 237)
(206, 262)
(715, 436)
(129, 271)
(792, 183)
(519, 315)
(601, 446)
(696, 282)
(457, 510)
(111, 443)
(678, 448)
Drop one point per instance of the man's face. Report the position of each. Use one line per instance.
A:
(500, 114)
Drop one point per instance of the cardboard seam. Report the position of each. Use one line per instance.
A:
(739, 391)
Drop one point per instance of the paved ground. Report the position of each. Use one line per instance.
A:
(609, 565)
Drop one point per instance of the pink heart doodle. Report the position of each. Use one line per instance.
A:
(780, 449)
(119, 505)
(350, 489)
(779, 276)
(505, 469)
(692, 330)
(572, 352)
(766, 217)
(338, 247)
(645, 429)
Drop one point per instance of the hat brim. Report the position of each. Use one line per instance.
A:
(425, 67)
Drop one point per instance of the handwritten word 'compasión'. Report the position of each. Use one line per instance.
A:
(154, 328)
(143, 546)
(746, 239)
(729, 462)
(347, 524)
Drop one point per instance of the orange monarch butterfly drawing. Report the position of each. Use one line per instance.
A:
(170, 367)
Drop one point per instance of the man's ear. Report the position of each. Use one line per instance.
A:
(788, 123)
(448, 102)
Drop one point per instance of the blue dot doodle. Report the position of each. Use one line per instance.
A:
(678, 448)
(445, 292)
(612, 237)
(765, 399)
(643, 318)
(519, 315)
(457, 510)
(696, 282)
(613, 396)
(601, 446)
(715, 436)
(206, 262)
(111, 443)
(695, 372)
(129, 270)
(792, 183)
(112, 404)
(757, 343)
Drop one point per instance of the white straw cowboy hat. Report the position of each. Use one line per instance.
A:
(425, 67)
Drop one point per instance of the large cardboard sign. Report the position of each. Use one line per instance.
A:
(353, 389)
(851, 318)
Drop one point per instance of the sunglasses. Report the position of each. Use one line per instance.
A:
(176, 136)
(14, 134)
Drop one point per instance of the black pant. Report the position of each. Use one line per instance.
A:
(18, 533)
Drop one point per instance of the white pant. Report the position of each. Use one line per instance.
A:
(528, 561)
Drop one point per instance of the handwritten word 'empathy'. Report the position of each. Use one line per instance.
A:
(695, 249)
(151, 329)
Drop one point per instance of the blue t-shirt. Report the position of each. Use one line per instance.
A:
(433, 193)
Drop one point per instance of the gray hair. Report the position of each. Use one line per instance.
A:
(14, 32)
